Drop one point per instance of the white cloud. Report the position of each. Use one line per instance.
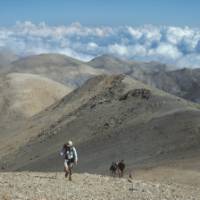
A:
(176, 34)
(136, 34)
(138, 50)
(118, 49)
(166, 50)
(174, 45)
(92, 46)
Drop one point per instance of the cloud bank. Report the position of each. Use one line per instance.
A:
(173, 45)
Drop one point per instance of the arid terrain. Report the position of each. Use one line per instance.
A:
(112, 110)
(182, 82)
(73, 73)
(109, 118)
(53, 186)
(22, 97)
(60, 68)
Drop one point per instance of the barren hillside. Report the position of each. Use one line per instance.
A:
(6, 58)
(184, 83)
(108, 118)
(22, 96)
(73, 73)
(26, 94)
(60, 68)
(53, 186)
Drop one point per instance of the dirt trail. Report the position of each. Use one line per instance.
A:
(52, 186)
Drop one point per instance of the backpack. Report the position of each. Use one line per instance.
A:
(69, 153)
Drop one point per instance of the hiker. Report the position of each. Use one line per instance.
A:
(113, 168)
(121, 167)
(117, 168)
(70, 157)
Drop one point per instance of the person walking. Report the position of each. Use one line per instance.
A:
(70, 158)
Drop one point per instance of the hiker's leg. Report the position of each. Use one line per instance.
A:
(70, 171)
(119, 173)
(70, 174)
(115, 173)
(122, 173)
(66, 168)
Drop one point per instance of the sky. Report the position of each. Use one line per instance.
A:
(102, 12)
(166, 31)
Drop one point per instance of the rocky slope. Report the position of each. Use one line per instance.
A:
(184, 83)
(53, 186)
(108, 118)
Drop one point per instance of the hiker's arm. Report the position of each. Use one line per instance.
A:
(75, 154)
(62, 152)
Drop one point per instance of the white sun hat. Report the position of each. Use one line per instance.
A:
(70, 143)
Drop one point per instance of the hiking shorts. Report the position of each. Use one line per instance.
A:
(68, 163)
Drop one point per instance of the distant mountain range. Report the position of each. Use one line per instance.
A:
(110, 108)
(184, 83)
(57, 67)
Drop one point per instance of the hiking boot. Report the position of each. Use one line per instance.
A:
(70, 178)
(66, 174)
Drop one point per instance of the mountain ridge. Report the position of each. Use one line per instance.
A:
(184, 83)
(100, 119)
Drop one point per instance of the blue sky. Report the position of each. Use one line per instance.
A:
(102, 12)
(166, 31)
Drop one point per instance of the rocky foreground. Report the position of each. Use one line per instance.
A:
(52, 186)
